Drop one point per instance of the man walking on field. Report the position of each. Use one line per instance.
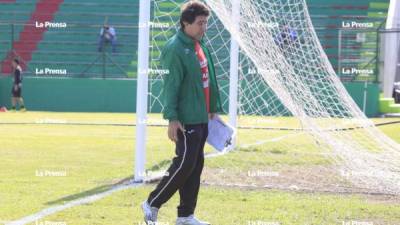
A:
(191, 97)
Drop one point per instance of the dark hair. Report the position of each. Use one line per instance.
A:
(191, 10)
(16, 61)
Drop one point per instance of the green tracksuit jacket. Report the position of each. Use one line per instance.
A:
(183, 92)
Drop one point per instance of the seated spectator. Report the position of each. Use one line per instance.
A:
(286, 37)
(107, 35)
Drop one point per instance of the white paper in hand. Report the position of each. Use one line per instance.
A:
(220, 135)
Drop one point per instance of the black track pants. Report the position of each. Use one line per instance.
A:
(184, 172)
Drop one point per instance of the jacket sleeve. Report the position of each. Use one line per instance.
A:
(171, 83)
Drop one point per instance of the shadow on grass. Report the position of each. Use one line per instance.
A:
(104, 188)
(93, 191)
(160, 165)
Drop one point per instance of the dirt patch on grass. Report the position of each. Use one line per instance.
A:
(304, 179)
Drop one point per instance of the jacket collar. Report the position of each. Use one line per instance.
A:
(186, 39)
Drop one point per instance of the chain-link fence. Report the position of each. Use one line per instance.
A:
(69, 50)
(361, 54)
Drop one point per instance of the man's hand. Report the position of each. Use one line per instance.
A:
(15, 87)
(173, 128)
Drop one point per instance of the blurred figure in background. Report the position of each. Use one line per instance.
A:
(16, 90)
(107, 35)
(396, 92)
(286, 37)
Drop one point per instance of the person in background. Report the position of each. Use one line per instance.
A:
(396, 92)
(108, 35)
(286, 37)
(16, 90)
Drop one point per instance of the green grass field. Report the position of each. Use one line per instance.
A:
(50, 159)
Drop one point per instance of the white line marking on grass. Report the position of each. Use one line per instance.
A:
(59, 208)
(89, 199)
(269, 140)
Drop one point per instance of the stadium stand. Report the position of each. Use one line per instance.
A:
(13, 12)
(75, 47)
(328, 17)
(32, 34)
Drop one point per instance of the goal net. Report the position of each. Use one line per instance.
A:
(298, 128)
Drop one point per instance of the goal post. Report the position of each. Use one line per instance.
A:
(298, 126)
(142, 89)
(142, 84)
(234, 72)
(391, 46)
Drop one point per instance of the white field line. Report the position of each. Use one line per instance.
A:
(49, 211)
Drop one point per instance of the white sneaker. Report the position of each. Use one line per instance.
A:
(150, 213)
(190, 220)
